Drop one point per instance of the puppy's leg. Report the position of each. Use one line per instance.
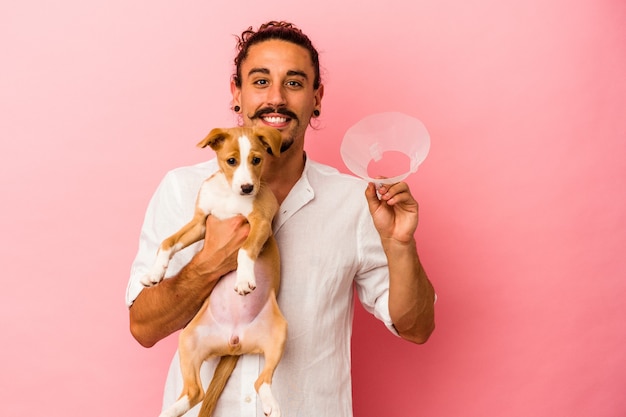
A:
(188, 234)
(272, 344)
(197, 342)
(192, 393)
(260, 231)
(246, 281)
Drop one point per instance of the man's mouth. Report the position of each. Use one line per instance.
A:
(275, 117)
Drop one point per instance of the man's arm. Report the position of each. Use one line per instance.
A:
(411, 295)
(167, 307)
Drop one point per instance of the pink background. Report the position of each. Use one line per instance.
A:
(523, 203)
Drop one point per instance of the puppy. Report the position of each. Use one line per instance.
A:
(229, 324)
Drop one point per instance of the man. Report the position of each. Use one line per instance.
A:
(330, 236)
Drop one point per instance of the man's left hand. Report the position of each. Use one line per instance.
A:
(395, 213)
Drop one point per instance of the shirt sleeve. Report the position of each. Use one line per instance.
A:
(372, 280)
(170, 208)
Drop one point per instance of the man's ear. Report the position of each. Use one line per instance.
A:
(318, 96)
(235, 93)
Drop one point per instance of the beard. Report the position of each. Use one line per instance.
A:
(286, 144)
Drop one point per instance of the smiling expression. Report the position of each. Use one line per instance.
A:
(277, 89)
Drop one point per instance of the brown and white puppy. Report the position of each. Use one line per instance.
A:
(229, 324)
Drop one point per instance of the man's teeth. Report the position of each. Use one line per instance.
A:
(275, 119)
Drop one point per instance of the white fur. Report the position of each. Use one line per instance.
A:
(270, 405)
(246, 282)
(179, 408)
(217, 198)
(242, 174)
(156, 274)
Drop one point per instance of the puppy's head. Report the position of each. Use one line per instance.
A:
(241, 152)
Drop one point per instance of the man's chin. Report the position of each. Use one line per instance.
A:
(286, 145)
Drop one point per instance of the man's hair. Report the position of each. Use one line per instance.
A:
(274, 30)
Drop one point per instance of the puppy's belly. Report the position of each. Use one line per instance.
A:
(228, 308)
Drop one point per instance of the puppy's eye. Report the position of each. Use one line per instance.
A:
(231, 161)
(256, 160)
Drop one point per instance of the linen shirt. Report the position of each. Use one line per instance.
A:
(328, 247)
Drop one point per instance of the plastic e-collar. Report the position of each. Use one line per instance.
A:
(371, 137)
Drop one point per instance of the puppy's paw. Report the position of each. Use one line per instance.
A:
(244, 286)
(153, 277)
(270, 405)
(177, 409)
(156, 274)
(246, 280)
(271, 411)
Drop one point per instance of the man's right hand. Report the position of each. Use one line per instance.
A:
(222, 241)
(163, 309)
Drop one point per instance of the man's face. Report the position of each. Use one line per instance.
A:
(277, 89)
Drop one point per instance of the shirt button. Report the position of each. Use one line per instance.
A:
(247, 399)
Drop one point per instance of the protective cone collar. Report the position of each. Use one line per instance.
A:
(376, 134)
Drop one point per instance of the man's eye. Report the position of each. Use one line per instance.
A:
(294, 84)
(261, 82)
(231, 161)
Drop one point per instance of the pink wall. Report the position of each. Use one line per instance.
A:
(523, 204)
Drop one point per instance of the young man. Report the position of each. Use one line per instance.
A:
(330, 236)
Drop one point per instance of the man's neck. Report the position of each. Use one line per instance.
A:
(283, 172)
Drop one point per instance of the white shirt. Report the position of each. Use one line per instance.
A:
(328, 246)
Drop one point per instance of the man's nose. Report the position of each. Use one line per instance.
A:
(276, 96)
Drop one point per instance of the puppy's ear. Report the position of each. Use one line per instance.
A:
(215, 139)
(270, 138)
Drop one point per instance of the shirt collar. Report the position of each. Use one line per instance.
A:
(300, 195)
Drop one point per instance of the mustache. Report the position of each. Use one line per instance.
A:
(267, 110)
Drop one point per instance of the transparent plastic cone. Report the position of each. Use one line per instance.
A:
(385, 148)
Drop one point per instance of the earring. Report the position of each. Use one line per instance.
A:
(316, 113)
(237, 109)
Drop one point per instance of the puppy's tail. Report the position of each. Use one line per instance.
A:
(223, 371)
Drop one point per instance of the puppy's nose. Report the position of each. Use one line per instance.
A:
(247, 188)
